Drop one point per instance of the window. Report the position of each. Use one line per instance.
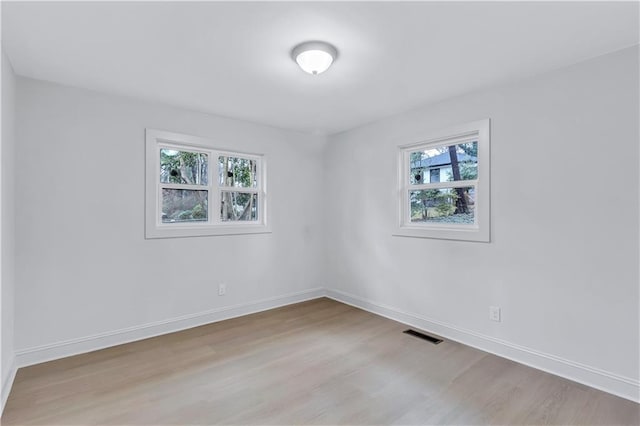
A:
(444, 185)
(193, 189)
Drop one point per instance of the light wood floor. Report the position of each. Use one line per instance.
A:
(318, 362)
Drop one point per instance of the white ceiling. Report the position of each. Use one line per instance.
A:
(232, 59)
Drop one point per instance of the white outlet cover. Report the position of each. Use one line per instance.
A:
(494, 313)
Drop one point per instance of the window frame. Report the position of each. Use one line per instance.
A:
(480, 230)
(155, 228)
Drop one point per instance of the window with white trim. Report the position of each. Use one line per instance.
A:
(194, 189)
(444, 184)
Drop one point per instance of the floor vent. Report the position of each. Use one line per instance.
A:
(426, 337)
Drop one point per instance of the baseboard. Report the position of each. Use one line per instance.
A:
(624, 387)
(7, 383)
(36, 355)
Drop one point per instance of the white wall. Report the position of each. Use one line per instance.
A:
(83, 264)
(7, 225)
(563, 261)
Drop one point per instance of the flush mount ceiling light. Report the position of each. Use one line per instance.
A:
(314, 57)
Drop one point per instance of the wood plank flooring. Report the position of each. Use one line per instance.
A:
(317, 362)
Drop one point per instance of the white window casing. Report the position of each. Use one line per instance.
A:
(479, 230)
(213, 224)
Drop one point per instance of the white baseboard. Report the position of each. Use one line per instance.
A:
(7, 383)
(624, 387)
(36, 355)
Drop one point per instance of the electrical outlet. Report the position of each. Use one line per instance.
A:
(222, 289)
(494, 313)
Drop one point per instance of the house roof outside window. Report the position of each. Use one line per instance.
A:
(441, 160)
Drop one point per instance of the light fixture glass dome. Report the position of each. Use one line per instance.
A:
(314, 57)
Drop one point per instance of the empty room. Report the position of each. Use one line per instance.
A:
(329, 213)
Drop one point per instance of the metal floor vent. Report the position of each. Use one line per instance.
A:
(426, 337)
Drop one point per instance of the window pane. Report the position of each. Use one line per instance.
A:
(184, 205)
(447, 205)
(237, 172)
(183, 167)
(238, 206)
(435, 165)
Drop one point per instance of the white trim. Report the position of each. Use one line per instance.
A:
(155, 228)
(480, 231)
(597, 378)
(38, 354)
(594, 377)
(8, 382)
(443, 185)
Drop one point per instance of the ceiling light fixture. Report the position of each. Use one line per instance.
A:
(314, 57)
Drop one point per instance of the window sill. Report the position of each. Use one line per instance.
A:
(181, 231)
(472, 234)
